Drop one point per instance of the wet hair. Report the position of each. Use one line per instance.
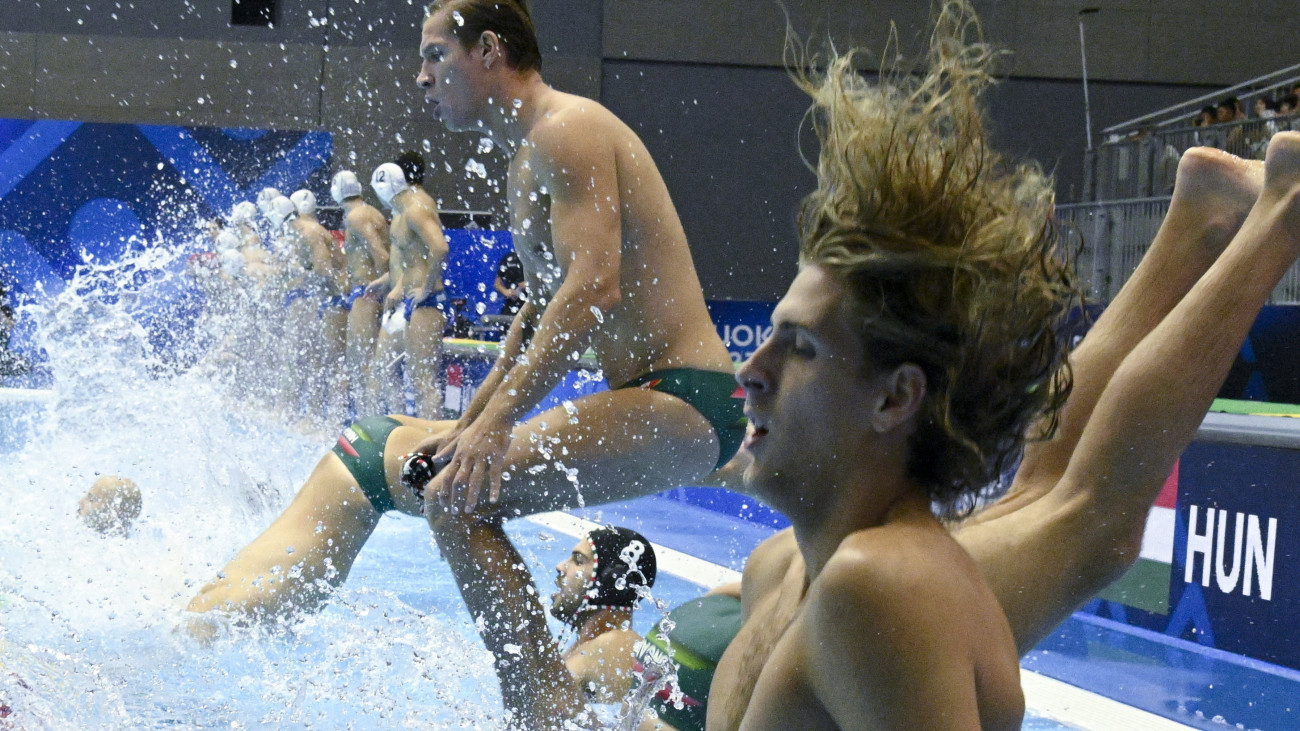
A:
(412, 165)
(950, 252)
(624, 561)
(508, 19)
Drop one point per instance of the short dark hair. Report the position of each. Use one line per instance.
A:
(508, 19)
(412, 165)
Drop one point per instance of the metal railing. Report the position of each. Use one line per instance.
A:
(1143, 164)
(1248, 91)
(1112, 237)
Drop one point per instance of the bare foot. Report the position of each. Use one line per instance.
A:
(1282, 181)
(1213, 192)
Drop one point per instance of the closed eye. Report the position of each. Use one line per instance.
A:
(802, 346)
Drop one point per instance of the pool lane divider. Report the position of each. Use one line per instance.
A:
(1046, 697)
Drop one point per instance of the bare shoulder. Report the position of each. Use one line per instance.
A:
(573, 126)
(613, 644)
(883, 574)
(898, 625)
(766, 566)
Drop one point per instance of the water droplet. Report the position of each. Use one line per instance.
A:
(456, 16)
(234, 64)
(600, 316)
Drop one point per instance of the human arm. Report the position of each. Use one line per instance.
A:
(379, 288)
(587, 240)
(423, 222)
(374, 231)
(500, 286)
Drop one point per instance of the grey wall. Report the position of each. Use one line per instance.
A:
(701, 80)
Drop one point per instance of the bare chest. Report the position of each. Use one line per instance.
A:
(759, 681)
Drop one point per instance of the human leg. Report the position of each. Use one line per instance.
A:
(424, 359)
(363, 331)
(1213, 192)
(385, 373)
(603, 447)
(309, 549)
(1050, 556)
(333, 367)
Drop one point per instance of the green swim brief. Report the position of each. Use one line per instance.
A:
(712, 393)
(704, 628)
(361, 447)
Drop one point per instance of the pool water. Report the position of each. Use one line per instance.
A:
(88, 636)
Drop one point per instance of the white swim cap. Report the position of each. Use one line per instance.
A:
(280, 209)
(264, 199)
(344, 186)
(388, 180)
(244, 212)
(305, 201)
(228, 239)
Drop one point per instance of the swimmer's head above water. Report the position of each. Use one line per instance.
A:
(607, 569)
(304, 202)
(388, 181)
(111, 506)
(344, 186)
(949, 254)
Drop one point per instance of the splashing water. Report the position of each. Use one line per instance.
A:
(88, 624)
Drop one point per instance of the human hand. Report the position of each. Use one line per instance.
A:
(475, 458)
(377, 290)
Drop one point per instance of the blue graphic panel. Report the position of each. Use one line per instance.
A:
(472, 268)
(1268, 367)
(69, 189)
(1239, 529)
(742, 324)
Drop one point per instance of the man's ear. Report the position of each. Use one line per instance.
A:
(903, 390)
(490, 43)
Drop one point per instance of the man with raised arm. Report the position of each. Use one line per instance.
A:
(414, 311)
(365, 245)
(1073, 519)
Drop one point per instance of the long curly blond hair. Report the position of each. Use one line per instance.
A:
(950, 251)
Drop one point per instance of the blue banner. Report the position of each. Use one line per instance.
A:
(743, 325)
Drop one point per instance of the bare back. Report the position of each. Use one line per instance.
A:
(661, 320)
(325, 257)
(365, 240)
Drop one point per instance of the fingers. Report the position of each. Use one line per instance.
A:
(495, 494)
(477, 474)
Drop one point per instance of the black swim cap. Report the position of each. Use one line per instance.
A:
(625, 560)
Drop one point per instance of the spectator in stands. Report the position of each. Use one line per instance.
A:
(1286, 105)
(1206, 134)
(1229, 110)
(1265, 107)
